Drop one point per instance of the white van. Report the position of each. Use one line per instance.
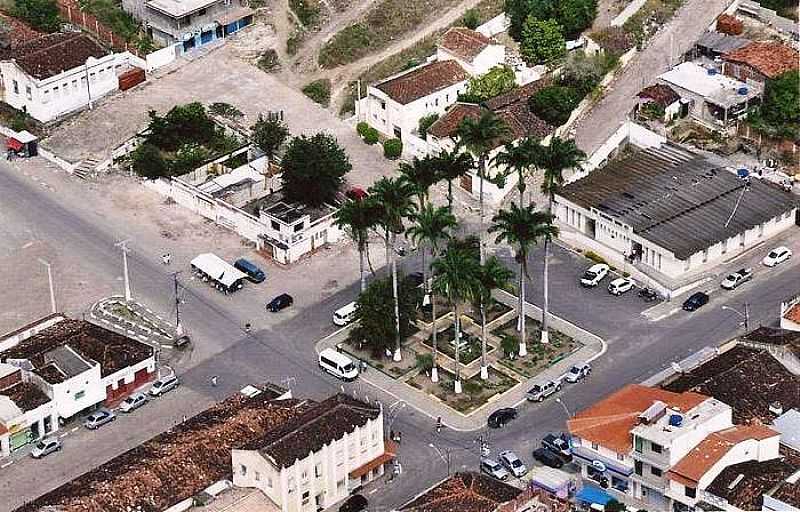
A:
(338, 364)
(345, 314)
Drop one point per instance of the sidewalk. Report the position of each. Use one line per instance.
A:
(593, 347)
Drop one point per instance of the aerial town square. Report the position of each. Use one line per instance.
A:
(399, 255)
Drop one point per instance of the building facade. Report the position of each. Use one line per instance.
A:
(27, 414)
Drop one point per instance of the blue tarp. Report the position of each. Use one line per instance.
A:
(590, 494)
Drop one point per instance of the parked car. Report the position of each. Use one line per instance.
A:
(558, 444)
(777, 256)
(620, 285)
(735, 279)
(163, 385)
(697, 300)
(355, 503)
(541, 391)
(99, 418)
(280, 302)
(513, 463)
(594, 275)
(648, 294)
(254, 274)
(578, 372)
(45, 447)
(133, 402)
(548, 458)
(493, 468)
(345, 314)
(500, 417)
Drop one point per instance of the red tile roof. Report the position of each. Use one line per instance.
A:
(423, 81)
(19, 31)
(697, 462)
(793, 314)
(447, 125)
(55, 53)
(661, 94)
(464, 43)
(610, 421)
(769, 59)
(464, 492)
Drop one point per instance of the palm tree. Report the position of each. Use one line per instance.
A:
(420, 174)
(431, 228)
(451, 166)
(394, 200)
(357, 218)
(519, 158)
(493, 275)
(457, 278)
(554, 158)
(522, 227)
(478, 137)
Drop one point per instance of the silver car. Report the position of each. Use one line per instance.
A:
(45, 447)
(99, 418)
(493, 468)
(163, 385)
(133, 402)
(513, 463)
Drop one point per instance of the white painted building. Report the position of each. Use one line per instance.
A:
(475, 52)
(26, 413)
(316, 460)
(57, 74)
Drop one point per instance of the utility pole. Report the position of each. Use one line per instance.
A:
(746, 318)
(123, 245)
(178, 328)
(52, 289)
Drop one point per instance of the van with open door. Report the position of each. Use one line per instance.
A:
(338, 364)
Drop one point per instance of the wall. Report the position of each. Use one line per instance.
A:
(63, 394)
(491, 56)
(121, 384)
(14, 337)
(162, 57)
(494, 26)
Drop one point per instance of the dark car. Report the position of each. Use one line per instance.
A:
(280, 302)
(500, 417)
(254, 274)
(559, 445)
(355, 503)
(697, 300)
(548, 458)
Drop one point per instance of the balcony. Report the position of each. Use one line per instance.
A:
(650, 480)
(659, 460)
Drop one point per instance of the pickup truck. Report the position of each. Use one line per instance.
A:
(737, 278)
(541, 391)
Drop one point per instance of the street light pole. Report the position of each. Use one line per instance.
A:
(178, 328)
(561, 402)
(50, 281)
(123, 245)
(446, 459)
(744, 316)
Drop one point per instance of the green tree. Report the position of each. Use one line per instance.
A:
(779, 114)
(452, 165)
(519, 158)
(574, 16)
(148, 162)
(582, 71)
(421, 175)
(456, 276)
(493, 275)
(522, 228)
(471, 19)
(181, 125)
(395, 199)
(425, 122)
(542, 41)
(430, 229)
(188, 157)
(392, 148)
(498, 80)
(268, 134)
(357, 217)
(39, 14)
(554, 104)
(314, 169)
(375, 314)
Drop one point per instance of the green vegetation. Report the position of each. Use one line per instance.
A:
(314, 169)
(225, 110)
(39, 14)
(595, 257)
(362, 128)
(574, 16)
(647, 20)
(471, 19)
(614, 40)
(542, 42)
(269, 61)
(268, 134)
(555, 103)
(425, 122)
(371, 137)
(18, 120)
(319, 91)
(779, 113)
(348, 45)
(307, 11)
(392, 149)
(294, 41)
(498, 80)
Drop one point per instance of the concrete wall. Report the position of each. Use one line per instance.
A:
(162, 57)
(490, 57)
(14, 337)
(87, 387)
(494, 26)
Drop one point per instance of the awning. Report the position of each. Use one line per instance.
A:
(590, 494)
(389, 453)
(13, 144)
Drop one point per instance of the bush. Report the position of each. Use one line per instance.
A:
(307, 11)
(148, 163)
(542, 41)
(555, 103)
(574, 16)
(225, 110)
(346, 46)
(269, 61)
(582, 71)
(595, 257)
(392, 149)
(371, 136)
(425, 122)
(319, 91)
(510, 345)
(39, 14)
(472, 387)
(471, 19)
(362, 128)
(425, 362)
(498, 80)
(294, 41)
(614, 40)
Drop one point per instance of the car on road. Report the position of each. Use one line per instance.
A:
(133, 402)
(594, 275)
(345, 314)
(99, 418)
(494, 469)
(620, 285)
(578, 372)
(736, 279)
(777, 256)
(280, 302)
(500, 417)
(254, 274)
(45, 447)
(696, 301)
(355, 503)
(163, 385)
(541, 391)
(512, 463)
(558, 444)
(548, 458)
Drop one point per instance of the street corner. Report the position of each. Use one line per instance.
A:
(135, 320)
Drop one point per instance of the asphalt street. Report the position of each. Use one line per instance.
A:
(282, 352)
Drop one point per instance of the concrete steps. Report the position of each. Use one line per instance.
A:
(86, 169)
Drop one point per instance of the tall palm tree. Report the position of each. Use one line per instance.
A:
(451, 166)
(519, 158)
(493, 275)
(479, 137)
(522, 228)
(554, 158)
(431, 228)
(357, 218)
(420, 174)
(457, 278)
(394, 198)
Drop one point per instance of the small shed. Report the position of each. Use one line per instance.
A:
(24, 144)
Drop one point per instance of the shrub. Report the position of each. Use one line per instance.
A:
(307, 11)
(39, 14)
(319, 91)
(362, 128)
(371, 136)
(509, 344)
(582, 71)
(498, 80)
(614, 40)
(471, 19)
(392, 149)
(225, 110)
(269, 61)
(574, 16)
(148, 163)
(595, 257)
(293, 42)
(472, 387)
(346, 46)
(542, 41)
(425, 362)
(555, 103)
(425, 122)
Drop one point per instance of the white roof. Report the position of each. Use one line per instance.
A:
(218, 268)
(715, 86)
(788, 424)
(553, 480)
(7, 369)
(247, 172)
(178, 8)
(8, 409)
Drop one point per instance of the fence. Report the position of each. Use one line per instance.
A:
(72, 12)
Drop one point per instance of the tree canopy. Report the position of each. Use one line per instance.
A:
(314, 169)
(39, 14)
(779, 113)
(268, 134)
(574, 16)
(542, 41)
(554, 104)
(148, 163)
(375, 313)
(182, 124)
(498, 80)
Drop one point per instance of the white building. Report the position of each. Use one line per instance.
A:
(57, 74)
(317, 458)
(475, 52)
(26, 413)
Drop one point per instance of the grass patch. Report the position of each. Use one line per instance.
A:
(444, 344)
(319, 91)
(476, 392)
(110, 14)
(540, 357)
(652, 16)
(307, 11)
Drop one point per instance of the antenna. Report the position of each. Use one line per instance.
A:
(736, 206)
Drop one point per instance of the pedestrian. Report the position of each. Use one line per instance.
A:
(438, 424)
(391, 435)
(247, 327)
(166, 258)
(399, 437)
(214, 379)
(184, 418)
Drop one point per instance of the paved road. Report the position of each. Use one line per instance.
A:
(283, 349)
(676, 37)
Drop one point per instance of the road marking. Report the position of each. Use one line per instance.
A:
(7, 464)
(65, 434)
(373, 491)
(665, 315)
(74, 429)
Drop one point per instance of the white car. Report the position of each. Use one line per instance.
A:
(594, 275)
(578, 372)
(776, 256)
(620, 285)
(510, 460)
(133, 402)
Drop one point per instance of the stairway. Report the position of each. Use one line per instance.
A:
(86, 169)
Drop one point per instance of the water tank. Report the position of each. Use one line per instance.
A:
(742, 91)
(675, 420)
(742, 173)
(712, 71)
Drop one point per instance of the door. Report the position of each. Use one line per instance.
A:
(466, 182)
(590, 228)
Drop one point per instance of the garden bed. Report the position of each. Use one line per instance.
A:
(540, 357)
(442, 310)
(494, 311)
(470, 351)
(476, 392)
(384, 363)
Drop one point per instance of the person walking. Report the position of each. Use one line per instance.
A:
(166, 258)
(214, 379)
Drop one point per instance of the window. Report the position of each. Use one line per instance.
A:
(690, 492)
(242, 469)
(656, 447)
(79, 395)
(318, 470)
(383, 105)
(75, 84)
(299, 227)
(637, 467)
(30, 96)
(275, 225)
(595, 446)
(16, 86)
(306, 497)
(258, 476)
(638, 444)
(620, 456)
(46, 96)
(290, 484)
(655, 471)
(340, 487)
(201, 12)
(269, 482)
(304, 475)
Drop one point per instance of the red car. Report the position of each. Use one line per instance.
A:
(356, 193)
